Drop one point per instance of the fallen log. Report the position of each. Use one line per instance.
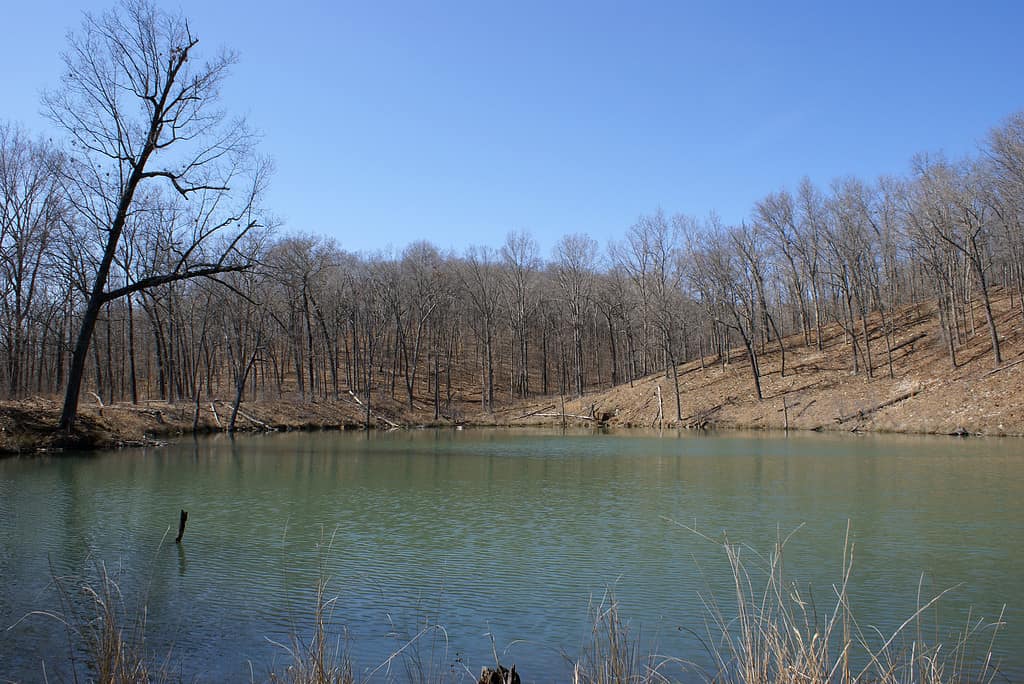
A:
(863, 413)
(534, 413)
(254, 421)
(394, 426)
(912, 340)
(155, 414)
(566, 415)
(701, 419)
(1002, 368)
(806, 406)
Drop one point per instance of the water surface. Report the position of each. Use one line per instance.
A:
(502, 537)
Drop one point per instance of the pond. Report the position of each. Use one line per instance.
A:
(449, 546)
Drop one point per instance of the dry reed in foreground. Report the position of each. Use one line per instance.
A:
(104, 637)
(775, 634)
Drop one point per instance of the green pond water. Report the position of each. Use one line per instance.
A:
(505, 539)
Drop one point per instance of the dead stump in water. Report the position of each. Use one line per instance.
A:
(181, 526)
(502, 675)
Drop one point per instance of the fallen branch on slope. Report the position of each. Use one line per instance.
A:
(537, 412)
(567, 415)
(863, 413)
(1002, 368)
(254, 421)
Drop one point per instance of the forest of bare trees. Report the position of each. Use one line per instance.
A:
(132, 259)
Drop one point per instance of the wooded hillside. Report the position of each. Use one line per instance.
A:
(139, 281)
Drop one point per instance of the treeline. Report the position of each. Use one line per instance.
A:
(310, 321)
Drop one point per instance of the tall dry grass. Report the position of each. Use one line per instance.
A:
(106, 640)
(613, 652)
(774, 633)
(322, 659)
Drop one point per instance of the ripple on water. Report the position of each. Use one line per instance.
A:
(496, 535)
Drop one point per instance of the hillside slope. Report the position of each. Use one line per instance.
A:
(819, 391)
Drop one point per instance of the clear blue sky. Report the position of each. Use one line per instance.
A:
(459, 121)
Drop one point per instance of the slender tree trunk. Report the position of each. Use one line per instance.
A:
(110, 359)
(817, 315)
(947, 329)
(544, 360)
(754, 368)
(989, 318)
(240, 389)
(867, 341)
(69, 411)
(782, 345)
(613, 349)
(437, 386)
(131, 352)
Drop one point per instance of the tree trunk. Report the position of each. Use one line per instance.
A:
(69, 411)
(989, 319)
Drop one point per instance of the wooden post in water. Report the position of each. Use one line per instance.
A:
(181, 526)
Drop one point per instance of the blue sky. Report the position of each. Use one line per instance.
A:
(457, 122)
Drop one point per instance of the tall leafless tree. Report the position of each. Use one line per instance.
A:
(140, 107)
(574, 266)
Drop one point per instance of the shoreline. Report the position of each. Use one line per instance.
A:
(27, 427)
(914, 390)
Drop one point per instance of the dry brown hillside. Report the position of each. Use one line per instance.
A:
(819, 391)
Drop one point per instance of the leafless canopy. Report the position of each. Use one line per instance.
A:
(163, 183)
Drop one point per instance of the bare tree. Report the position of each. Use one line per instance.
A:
(852, 262)
(422, 287)
(574, 267)
(725, 283)
(31, 212)
(140, 107)
(810, 226)
(957, 215)
(633, 255)
(661, 239)
(521, 261)
(752, 252)
(1004, 153)
(776, 217)
(480, 281)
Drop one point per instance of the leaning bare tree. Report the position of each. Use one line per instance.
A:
(141, 110)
